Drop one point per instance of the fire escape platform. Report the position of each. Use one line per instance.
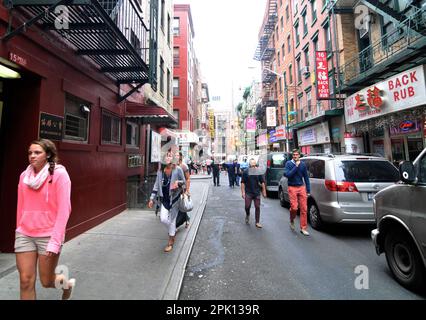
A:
(92, 31)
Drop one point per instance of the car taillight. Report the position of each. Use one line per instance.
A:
(268, 163)
(340, 186)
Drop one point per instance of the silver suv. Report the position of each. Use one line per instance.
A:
(343, 187)
(400, 211)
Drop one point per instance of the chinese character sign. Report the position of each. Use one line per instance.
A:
(251, 124)
(323, 87)
(271, 117)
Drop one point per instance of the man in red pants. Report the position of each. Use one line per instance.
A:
(295, 171)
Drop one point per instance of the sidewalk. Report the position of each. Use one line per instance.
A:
(122, 258)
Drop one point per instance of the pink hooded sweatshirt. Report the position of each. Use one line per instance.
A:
(44, 212)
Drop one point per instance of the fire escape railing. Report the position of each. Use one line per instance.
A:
(409, 36)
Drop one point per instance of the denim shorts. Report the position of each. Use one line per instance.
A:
(25, 243)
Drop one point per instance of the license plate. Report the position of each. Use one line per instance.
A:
(370, 195)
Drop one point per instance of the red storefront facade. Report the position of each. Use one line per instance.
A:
(55, 82)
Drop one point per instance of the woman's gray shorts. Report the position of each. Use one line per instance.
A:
(25, 243)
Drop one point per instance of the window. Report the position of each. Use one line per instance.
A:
(300, 105)
(288, 44)
(278, 160)
(296, 33)
(316, 168)
(169, 84)
(111, 129)
(278, 58)
(306, 52)
(305, 24)
(299, 70)
(176, 57)
(309, 100)
(295, 6)
(77, 113)
(287, 14)
(282, 24)
(168, 29)
(176, 26)
(282, 51)
(327, 38)
(132, 134)
(280, 86)
(161, 76)
(176, 89)
(285, 79)
(315, 41)
(276, 34)
(313, 10)
(290, 73)
(162, 14)
(366, 171)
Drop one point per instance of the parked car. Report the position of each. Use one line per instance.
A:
(343, 187)
(400, 212)
(275, 163)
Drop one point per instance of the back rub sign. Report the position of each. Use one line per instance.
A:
(403, 91)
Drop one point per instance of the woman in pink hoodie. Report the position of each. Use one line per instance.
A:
(43, 209)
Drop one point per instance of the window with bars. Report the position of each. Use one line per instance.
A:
(111, 129)
(132, 134)
(77, 115)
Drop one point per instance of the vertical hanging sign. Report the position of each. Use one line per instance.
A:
(323, 87)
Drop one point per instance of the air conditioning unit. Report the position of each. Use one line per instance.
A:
(305, 70)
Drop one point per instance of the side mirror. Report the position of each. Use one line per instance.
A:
(407, 172)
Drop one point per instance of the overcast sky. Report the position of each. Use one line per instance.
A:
(226, 37)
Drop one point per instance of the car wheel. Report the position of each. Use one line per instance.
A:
(404, 260)
(283, 202)
(314, 216)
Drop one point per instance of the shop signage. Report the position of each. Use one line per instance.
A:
(251, 124)
(403, 91)
(17, 59)
(262, 140)
(280, 133)
(272, 136)
(134, 160)
(317, 134)
(211, 124)
(406, 126)
(51, 126)
(353, 143)
(271, 117)
(155, 147)
(323, 86)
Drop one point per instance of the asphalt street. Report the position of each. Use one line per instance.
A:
(232, 260)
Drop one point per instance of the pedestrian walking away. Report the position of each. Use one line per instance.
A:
(237, 173)
(43, 209)
(252, 185)
(295, 171)
(168, 185)
(216, 173)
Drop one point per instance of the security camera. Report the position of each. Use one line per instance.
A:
(84, 108)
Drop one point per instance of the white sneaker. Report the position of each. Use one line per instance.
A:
(67, 293)
(304, 232)
(292, 227)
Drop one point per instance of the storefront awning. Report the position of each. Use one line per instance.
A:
(150, 114)
(328, 113)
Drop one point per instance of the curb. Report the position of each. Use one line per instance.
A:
(173, 287)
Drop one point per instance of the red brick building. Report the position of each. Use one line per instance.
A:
(184, 82)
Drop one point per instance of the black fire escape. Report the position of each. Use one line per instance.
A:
(265, 53)
(394, 52)
(111, 33)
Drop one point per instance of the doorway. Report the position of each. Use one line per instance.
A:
(19, 118)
